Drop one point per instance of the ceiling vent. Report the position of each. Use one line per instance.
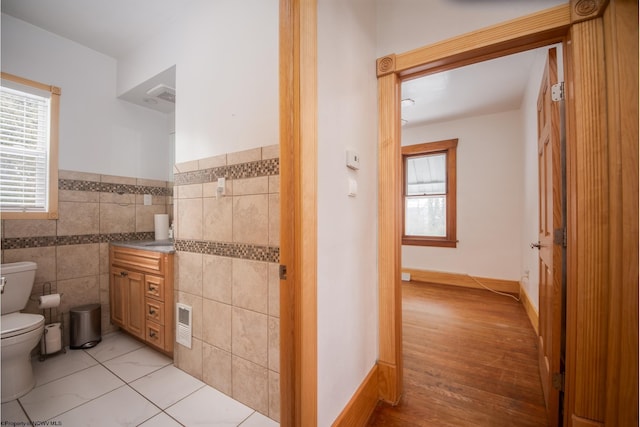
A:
(163, 92)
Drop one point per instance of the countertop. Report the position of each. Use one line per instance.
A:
(164, 246)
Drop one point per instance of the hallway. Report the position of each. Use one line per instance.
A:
(470, 359)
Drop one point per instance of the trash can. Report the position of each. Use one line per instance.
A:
(85, 326)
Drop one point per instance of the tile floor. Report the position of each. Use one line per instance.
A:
(121, 382)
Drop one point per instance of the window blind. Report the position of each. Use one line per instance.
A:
(24, 150)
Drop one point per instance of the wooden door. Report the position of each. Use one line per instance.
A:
(551, 242)
(135, 304)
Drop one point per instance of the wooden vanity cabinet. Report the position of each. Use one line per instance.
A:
(141, 295)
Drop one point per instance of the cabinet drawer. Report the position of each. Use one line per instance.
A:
(155, 334)
(154, 311)
(146, 261)
(154, 287)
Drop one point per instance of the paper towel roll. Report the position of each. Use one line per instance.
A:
(52, 339)
(49, 301)
(162, 226)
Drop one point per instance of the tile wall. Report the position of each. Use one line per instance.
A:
(72, 252)
(227, 254)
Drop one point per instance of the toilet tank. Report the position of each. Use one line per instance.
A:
(17, 279)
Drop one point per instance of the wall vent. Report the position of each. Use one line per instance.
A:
(163, 92)
(183, 324)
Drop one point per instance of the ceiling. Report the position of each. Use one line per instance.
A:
(115, 27)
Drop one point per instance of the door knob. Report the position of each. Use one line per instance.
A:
(536, 245)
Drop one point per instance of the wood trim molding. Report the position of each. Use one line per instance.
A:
(385, 65)
(388, 382)
(582, 10)
(463, 280)
(298, 215)
(362, 403)
(531, 311)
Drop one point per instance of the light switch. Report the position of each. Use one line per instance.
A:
(353, 187)
(147, 199)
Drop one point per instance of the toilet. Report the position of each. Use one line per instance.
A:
(21, 332)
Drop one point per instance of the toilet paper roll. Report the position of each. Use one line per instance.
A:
(52, 339)
(49, 301)
(161, 222)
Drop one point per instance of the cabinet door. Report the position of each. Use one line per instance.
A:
(117, 296)
(135, 304)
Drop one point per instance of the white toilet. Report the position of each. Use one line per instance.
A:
(21, 332)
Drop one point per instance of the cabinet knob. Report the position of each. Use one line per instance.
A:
(124, 274)
(152, 311)
(152, 334)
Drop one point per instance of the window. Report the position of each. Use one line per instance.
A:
(29, 114)
(430, 194)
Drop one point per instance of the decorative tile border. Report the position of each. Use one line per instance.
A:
(242, 170)
(106, 187)
(232, 250)
(83, 239)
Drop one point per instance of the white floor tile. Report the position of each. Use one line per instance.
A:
(114, 345)
(60, 365)
(121, 407)
(258, 420)
(209, 407)
(52, 399)
(155, 386)
(12, 414)
(136, 364)
(161, 420)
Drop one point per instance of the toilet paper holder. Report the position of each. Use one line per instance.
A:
(44, 352)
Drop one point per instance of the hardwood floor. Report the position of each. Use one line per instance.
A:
(470, 359)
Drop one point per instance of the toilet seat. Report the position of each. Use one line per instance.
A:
(14, 324)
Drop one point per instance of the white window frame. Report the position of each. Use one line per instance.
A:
(51, 207)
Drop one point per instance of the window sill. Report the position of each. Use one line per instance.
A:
(426, 241)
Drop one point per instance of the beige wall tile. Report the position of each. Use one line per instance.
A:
(145, 216)
(78, 218)
(112, 179)
(274, 289)
(217, 223)
(250, 285)
(75, 261)
(274, 344)
(196, 312)
(250, 384)
(274, 219)
(45, 257)
(216, 278)
(274, 396)
(104, 258)
(271, 152)
(189, 166)
(191, 191)
(81, 291)
(117, 219)
(274, 184)
(217, 324)
(212, 162)
(155, 200)
(216, 369)
(78, 176)
(104, 291)
(190, 359)
(250, 219)
(246, 156)
(189, 272)
(29, 227)
(189, 219)
(151, 182)
(257, 185)
(125, 199)
(249, 335)
(78, 196)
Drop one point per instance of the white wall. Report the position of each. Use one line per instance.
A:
(404, 25)
(226, 58)
(347, 278)
(98, 132)
(489, 197)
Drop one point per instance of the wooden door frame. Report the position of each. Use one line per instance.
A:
(593, 389)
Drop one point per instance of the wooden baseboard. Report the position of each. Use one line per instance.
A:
(362, 403)
(530, 309)
(464, 280)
